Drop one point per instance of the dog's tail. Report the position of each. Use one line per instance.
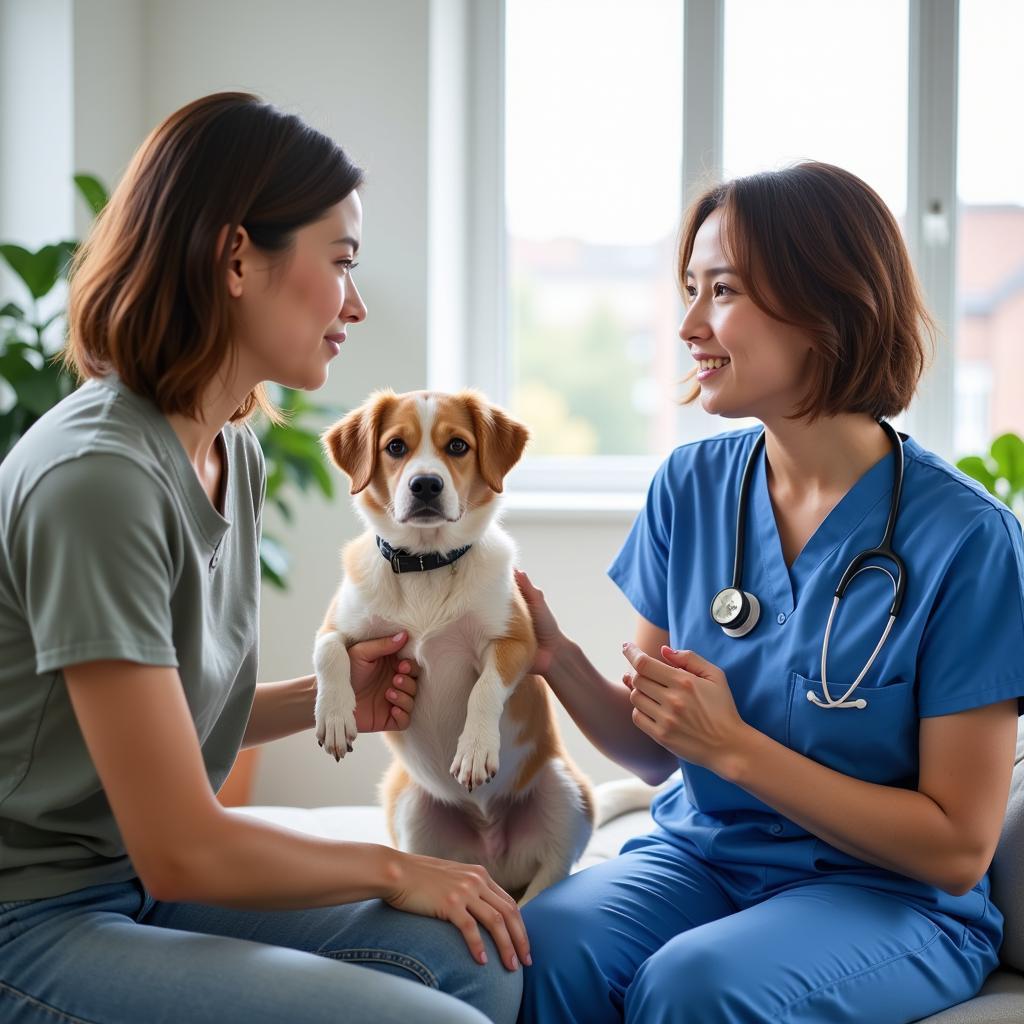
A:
(612, 799)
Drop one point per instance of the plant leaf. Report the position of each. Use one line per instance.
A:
(38, 388)
(1008, 453)
(974, 466)
(92, 191)
(274, 562)
(39, 270)
(65, 254)
(12, 426)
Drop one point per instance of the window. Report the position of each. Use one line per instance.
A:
(989, 333)
(593, 153)
(611, 114)
(797, 88)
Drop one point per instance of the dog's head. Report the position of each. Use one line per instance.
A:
(425, 466)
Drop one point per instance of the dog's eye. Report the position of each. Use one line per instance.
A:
(456, 446)
(396, 448)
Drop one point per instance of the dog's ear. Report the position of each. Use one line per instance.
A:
(352, 441)
(500, 440)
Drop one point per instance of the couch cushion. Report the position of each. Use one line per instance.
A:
(358, 824)
(367, 825)
(1000, 1001)
(1008, 866)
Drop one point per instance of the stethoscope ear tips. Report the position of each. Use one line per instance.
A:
(859, 703)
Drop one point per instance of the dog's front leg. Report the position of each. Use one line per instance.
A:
(335, 699)
(505, 662)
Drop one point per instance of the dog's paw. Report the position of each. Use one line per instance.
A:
(336, 720)
(476, 760)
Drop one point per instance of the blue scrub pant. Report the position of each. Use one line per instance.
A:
(658, 934)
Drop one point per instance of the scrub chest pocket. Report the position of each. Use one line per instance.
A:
(877, 743)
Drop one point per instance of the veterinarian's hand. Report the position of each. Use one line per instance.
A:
(467, 896)
(384, 684)
(685, 704)
(550, 639)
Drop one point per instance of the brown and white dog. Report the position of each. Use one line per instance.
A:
(426, 470)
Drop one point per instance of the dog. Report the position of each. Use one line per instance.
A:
(480, 775)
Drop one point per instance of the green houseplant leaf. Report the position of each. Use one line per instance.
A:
(39, 270)
(92, 191)
(274, 562)
(974, 466)
(1008, 454)
(1000, 471)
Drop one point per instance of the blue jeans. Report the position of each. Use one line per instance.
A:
(110, 954)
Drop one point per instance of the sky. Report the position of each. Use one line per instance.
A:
(595, 106)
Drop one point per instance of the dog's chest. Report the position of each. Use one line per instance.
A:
(450, 661)
(446, 608)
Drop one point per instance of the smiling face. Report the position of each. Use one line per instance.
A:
(750, 364)
(425, 467)
(293, 309)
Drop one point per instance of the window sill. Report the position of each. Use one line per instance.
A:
(571, 506)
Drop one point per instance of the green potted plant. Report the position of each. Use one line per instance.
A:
(33, 379)
(1000, 470)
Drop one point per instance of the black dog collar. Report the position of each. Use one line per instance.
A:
(402, 561)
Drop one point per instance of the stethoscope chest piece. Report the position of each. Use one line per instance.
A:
(735, 611)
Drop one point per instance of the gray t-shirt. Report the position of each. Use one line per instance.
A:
(110, 548)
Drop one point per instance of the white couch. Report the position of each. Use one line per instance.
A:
(1001, 1000)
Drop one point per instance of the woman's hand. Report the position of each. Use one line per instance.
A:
(685, 704)
(550, 639)
(384, 685)
(467, 896)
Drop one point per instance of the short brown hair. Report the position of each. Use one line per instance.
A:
(148, 298)
(817, 248)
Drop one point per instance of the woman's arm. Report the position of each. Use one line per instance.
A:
(600, 707)
(385, 690)
(280, 709)
(943, 833)
(186, 847)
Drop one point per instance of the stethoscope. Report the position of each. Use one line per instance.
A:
(737, 611)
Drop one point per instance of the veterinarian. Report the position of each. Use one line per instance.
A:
(842, 765)
(129, 606)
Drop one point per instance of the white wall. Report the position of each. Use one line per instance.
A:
(359, 70)
(35, 142)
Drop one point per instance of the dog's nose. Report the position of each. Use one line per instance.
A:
(426, 486)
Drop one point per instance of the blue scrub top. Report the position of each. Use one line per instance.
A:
(957, 643)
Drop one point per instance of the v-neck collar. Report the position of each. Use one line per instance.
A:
(873, 486)
(211, 523)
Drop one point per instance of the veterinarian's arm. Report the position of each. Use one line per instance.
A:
(281, 709)
(187, 848)
(600, 707)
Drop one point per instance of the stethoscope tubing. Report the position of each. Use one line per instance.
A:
(858, 564)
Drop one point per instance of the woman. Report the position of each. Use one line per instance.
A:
(824, 854)
(129, 593)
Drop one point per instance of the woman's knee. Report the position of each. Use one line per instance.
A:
(491, 988)
(567, 980)
(685, 982)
